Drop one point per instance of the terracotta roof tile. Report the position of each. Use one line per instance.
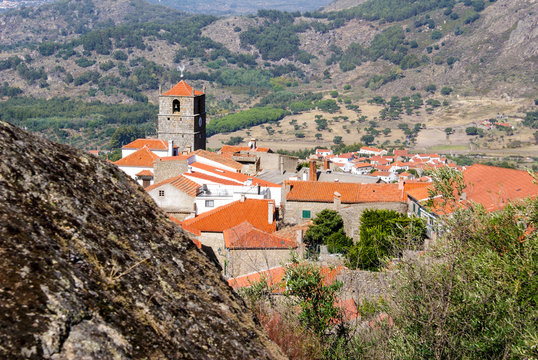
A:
(246, 236)
(240, 178)
(494, 187)
(227, 216)
(220, 158)
(236, 149)
(182, 89)
(204, 178)
(152, 144)
(366, 148)
(274, 276)
(180, 182)
(144, 173)
(351, 193)
(290, 232)
(140, 158)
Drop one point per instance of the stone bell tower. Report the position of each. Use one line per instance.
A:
(182, 117)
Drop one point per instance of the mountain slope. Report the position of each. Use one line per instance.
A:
(91, 268)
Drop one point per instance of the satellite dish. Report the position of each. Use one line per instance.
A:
(181, 68)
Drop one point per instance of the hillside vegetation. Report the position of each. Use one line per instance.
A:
(120, 52)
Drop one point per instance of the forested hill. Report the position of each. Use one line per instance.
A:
(120, 51)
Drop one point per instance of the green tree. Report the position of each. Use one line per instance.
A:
(474, 297)
(384, 233)
(124, 135)
(327, 223)
(471, 130)
(337, 139)
(367, 139)
(305, 288)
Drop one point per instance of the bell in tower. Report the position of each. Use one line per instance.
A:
(182, 117)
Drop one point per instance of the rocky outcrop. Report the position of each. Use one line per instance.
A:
(90, 268)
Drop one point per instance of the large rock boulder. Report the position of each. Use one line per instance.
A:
(91, 268)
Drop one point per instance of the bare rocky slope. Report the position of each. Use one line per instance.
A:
(92, 269)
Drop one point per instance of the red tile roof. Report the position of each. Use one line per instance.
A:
(180, 182)
(290, 232)
(219, 158)
(236, 149)
(240, 178)
(152, 144)
(246, 236)
(182, 89)
(366, 148)
(381, 173)
(140, 158)
(274, 276)
(402, 153)
(490, 186)
(204, 178)
(227, 216)
(362, 165)
(494, 187)
(174, 158)
(317, 191)
(144, 173)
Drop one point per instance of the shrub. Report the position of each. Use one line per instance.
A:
(384, 233)
(471, 130)
(446, 90)
(436, 35)
(430, 88)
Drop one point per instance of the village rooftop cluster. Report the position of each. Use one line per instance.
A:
(247, 206)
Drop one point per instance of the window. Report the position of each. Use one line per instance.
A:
(161, 192)
(209, 203)
(414, 210)
(175, 106)
(306, 214)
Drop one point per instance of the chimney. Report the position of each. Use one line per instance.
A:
(337, 199)
(463, 196)
(270, 212)
(326, 165)
(252, 144)
(242, 198)
(192, 88)
(313, 173)
(281, 165)
(170, 147)
(299, 237)
(401, 184)
(160, 89)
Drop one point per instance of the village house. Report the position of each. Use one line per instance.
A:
(208, 228)
(305, 199)
(365, 150)
(489, 186)
(249, 249)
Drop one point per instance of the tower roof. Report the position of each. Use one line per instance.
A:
(182, 89)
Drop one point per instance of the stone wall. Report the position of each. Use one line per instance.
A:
(163, 170)
(360, 284)
(216, 242)
(272, 161)
(245, 261)
(351, 213)
(184, 127)
(173, 200)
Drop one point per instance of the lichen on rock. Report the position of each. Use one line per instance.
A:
(91, 268)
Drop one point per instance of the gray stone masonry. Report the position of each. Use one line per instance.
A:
(185, 124)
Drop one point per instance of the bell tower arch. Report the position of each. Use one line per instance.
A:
(182, 117)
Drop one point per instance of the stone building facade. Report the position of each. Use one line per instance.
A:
(298, 211)
(182, 117)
